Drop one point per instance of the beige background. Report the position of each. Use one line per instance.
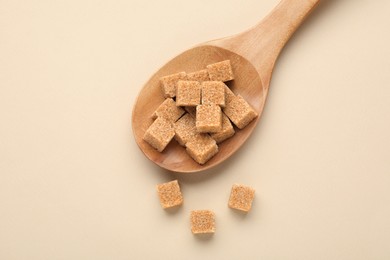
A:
(74, 185)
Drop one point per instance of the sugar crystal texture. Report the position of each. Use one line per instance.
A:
(169, 83)
(202, 148)
(159, 134)
(202, 221)
(229, 95)
(185, 129)
(239, 111)
(220, 71)
(213, 92)
(241, 197)
(188, 93)
(201, 75)
(226, 132)
(168, 110)
(169, 194)
(208, 118)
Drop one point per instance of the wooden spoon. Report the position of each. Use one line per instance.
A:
(252, 54)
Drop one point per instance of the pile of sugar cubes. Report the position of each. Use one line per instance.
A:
(198, 111)
(203, 221)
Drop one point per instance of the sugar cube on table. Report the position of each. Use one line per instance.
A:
(213, 92)
(169, 194)
(159, 133)
(188, 93)
(220, 71)
(202, 221)
(169, 83)
(168, 110)
(241, 197)
(208, 118)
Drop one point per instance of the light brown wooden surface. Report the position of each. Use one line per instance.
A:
(252, 53)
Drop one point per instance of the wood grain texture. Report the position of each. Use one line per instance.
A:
(252, 54)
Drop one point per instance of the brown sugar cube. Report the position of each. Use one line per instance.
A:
(202, 221)
(169, 194)
(168, 110)
(188, 93)
(220, 71)
(241, 197)
(208, 118)
(201, 75)
(185, 129)
(239, 111)
(213, 92)
(226, 132)
(229, 95)
(159, 133)
(169, 83)
(202, 148)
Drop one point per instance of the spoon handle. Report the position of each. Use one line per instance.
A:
(262, 44)
(278, 27)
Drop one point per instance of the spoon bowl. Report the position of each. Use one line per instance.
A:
(252, 54)
(247, 83)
